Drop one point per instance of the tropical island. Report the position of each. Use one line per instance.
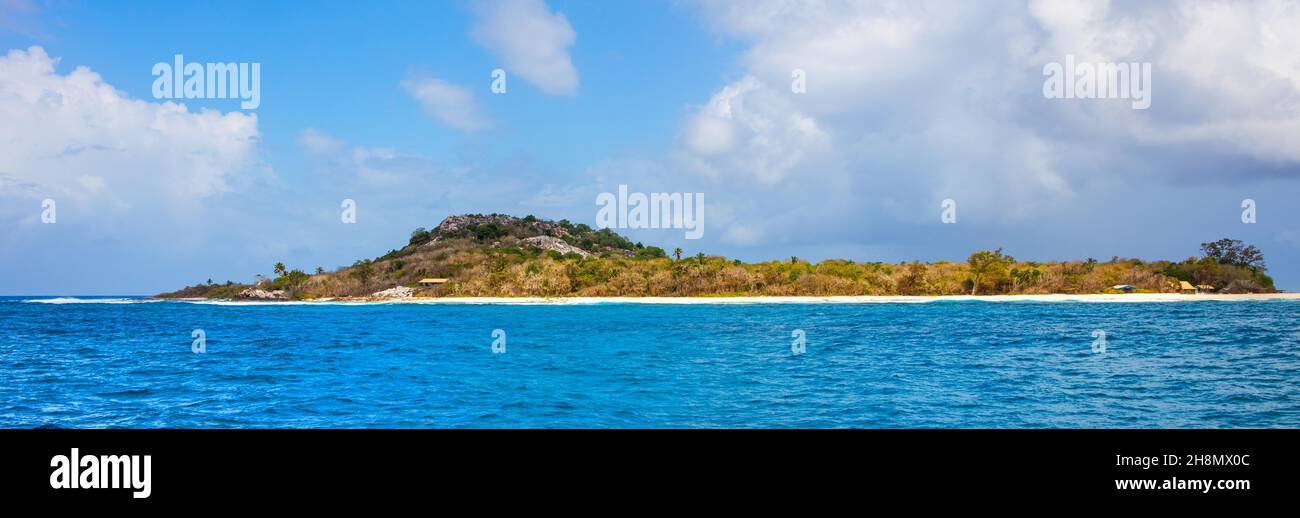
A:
(497, 255)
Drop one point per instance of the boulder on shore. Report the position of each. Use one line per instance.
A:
(396, 292)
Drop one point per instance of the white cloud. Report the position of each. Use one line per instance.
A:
(452, 105)
(1237, 67)
(914, 102)
(1225, 75)
(75, 138)
(317, 143)
(749, 130)
(531, 42)
(144, 187)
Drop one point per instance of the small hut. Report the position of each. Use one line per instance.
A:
(1186, 287)
(427, 283)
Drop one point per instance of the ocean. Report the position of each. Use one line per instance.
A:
(130, 363)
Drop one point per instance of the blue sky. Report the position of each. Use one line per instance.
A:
(907, 104)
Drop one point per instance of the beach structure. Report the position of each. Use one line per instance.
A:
(431, 282)
(1126, 288)
(1186, 287)
(1205, 288)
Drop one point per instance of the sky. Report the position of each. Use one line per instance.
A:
(812, 129)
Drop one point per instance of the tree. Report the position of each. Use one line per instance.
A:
(280, 269)
(1235, 253)
(1207, 270)
(419, 235)
(319, 270)
(362, 270)
(912, 281)
(1025, 277)
(986, 266)
(650, 252)
(700, 257)
(677, 252)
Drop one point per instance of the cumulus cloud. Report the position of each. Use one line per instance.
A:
(74, 137)
(921, 101)
(748, 129)
(911, 103)
(454, 106)
(134, 181)
(531, 41)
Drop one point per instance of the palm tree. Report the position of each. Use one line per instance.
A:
(280, 269)
(677, 252)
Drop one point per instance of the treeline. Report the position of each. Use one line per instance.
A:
(507, 267)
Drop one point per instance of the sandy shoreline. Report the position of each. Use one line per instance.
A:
(862, 299)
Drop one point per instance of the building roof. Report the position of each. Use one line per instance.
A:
(438, 280)
(1185, 285)
(1205, 286)
(1122, 286)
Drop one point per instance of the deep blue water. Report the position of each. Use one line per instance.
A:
(942, 364)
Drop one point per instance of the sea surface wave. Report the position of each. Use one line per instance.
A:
(127, 362)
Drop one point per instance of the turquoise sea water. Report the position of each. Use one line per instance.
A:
(129, 363)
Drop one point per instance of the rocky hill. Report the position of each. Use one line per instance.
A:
(465, 249)
(562, 236)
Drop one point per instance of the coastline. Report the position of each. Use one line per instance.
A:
(837, 299)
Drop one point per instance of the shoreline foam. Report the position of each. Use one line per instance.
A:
(835, 299)
(838, 299)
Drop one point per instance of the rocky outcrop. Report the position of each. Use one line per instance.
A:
(396, 292)
(501, 230)
(479, 225)
(261, 294)
(552, 243)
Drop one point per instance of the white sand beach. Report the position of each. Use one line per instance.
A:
(1118, 297)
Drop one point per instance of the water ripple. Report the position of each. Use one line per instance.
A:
(116, 363)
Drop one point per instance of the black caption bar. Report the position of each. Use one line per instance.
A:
(227, 467)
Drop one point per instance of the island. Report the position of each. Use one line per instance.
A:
(503, 257)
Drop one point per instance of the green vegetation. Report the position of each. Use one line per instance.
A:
(1227, 264)
(497, 255)
(208, 290)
